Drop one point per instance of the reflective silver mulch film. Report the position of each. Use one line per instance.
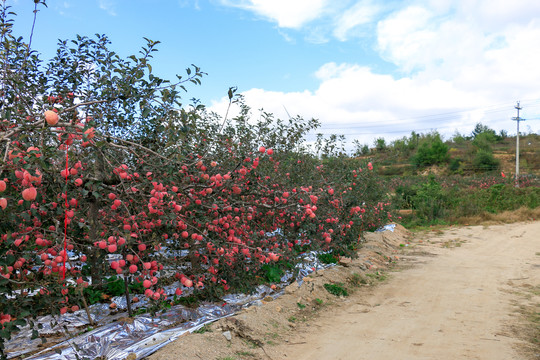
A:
(134, 338)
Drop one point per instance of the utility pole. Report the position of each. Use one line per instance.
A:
(517, 119)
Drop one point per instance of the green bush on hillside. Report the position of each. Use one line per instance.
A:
(485, 161)
(433, 151)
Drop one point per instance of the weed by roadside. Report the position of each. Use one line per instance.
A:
(246, 354)
(379, 276)
(528, 329)
(337, 289)
(357, 280)
(203, 330)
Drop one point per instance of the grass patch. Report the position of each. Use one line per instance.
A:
(337, 289)
(273, 335)
(356, 280)
(245, 353)
(379, 276)
(250, 344)
(203, 330)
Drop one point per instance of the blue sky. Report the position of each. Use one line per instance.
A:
(365, 69)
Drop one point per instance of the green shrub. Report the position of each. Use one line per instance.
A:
(429, 200)
(485, 161)
(380, 144)
(404, 197)
(115, 286)
(484, 140)
(272, 273)
(93, 296)
(454, 165)
(327, 258)
(432, 151)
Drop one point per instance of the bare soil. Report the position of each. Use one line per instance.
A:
(460, 293)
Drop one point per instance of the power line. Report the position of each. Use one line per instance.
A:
(453, 115)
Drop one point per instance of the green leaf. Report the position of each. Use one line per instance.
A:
(145, 112)
(10, 259)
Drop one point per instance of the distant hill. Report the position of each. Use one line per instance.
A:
(466, 155)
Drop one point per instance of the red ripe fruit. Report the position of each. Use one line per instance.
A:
(29, 194)
(2, 185)
(51, 117)
(262, 149)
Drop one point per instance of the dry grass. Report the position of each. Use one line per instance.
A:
(527, 328)
(506, 217)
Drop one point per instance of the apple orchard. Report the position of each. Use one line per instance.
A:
(105, 172)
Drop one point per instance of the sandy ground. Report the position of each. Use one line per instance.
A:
(461, 293)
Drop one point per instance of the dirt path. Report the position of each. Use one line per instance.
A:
(458, 304)
(462, 293)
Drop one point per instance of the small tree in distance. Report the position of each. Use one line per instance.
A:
(432, 151)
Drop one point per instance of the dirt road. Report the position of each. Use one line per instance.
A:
(459, 301)
(462, 293)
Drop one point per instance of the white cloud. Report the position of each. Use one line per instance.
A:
(361, 13)
(455, 60)
(189, 3)
(286, 13)
(354, 101)
(108, 6)
(404, 37)
(458, 49)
